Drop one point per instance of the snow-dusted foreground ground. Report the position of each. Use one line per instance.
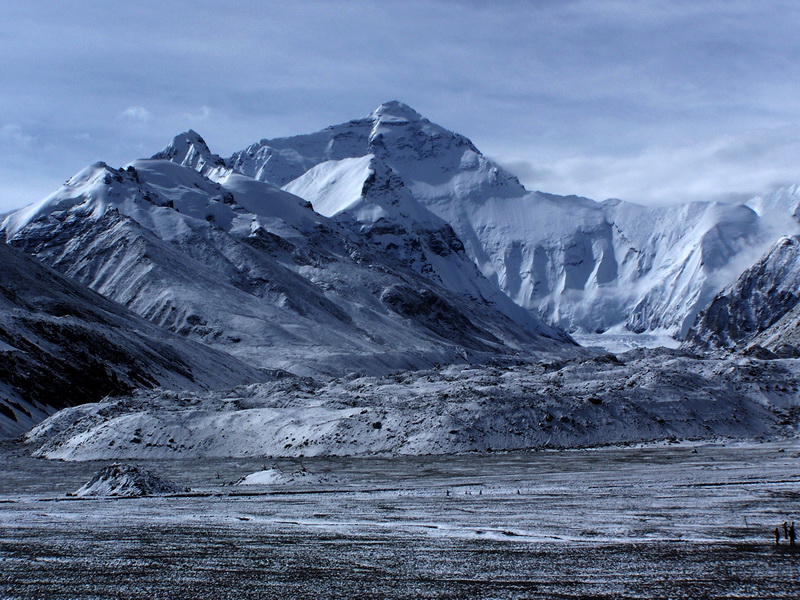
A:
(679, 521)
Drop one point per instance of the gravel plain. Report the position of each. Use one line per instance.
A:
(661, 521)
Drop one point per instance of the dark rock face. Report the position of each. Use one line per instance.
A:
(758, 308)
(63, 345)
(437, 315)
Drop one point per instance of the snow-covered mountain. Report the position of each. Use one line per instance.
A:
(251, 269)
(62, 345)
(759, 310)
(367, 196)
(381, 245)
(581, 264)
(191, 150)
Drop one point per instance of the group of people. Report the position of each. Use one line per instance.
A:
(788, 533)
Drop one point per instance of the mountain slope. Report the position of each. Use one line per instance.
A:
(367, 196)
(62, 345)
(253, 270)
(578, 263)
(759, 310)
(370, 198)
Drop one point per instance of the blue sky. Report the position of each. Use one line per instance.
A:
(647, 101)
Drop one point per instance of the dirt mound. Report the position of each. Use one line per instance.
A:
(128, 481)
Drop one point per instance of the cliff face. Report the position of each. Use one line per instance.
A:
(759, 309)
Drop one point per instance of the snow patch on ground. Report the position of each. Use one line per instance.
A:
(276, 476)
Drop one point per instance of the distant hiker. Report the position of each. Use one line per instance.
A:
(777, 536)
(785, 530)
(792, 535)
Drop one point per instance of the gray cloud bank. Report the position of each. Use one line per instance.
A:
(729, 168)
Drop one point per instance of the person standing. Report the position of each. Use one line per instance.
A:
(777, 536)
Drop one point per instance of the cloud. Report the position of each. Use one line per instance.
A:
(14, 133)
(201, 115)
(136, 113)
(726, 168)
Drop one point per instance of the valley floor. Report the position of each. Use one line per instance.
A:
(679, 521)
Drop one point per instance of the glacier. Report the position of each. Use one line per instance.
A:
(583, 401)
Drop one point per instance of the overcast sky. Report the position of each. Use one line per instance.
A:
(645, 101)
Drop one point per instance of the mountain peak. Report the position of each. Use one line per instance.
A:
(184, 140)
(189, 149)
(395, 110)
